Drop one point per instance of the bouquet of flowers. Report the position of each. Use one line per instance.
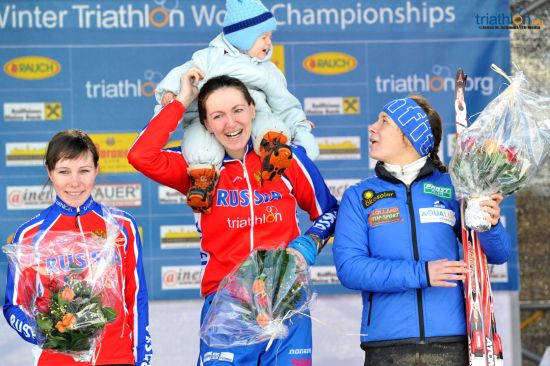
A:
(502, 150)
(256, 299)
(68, 285)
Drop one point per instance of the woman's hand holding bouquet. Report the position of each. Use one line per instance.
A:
(502, 150)
(255, 300)
(71, 285)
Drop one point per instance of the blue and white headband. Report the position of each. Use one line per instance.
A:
(414, 123)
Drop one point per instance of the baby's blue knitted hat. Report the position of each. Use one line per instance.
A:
(245, 21)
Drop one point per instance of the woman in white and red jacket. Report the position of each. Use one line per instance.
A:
(245, 214)
(72, 165)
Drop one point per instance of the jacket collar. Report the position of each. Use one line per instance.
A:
(65, 209)
(249, 149)
(383, 174)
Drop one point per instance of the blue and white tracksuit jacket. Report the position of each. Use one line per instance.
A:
(386, 233)
(127, 339)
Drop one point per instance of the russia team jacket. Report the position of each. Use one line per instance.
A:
(244, 215)
(126, 340)
(385, 235)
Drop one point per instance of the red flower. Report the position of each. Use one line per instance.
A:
(237, 291)
(512, 155)
(42, 304)
(468, 144)
(53, 285)
(261, 300)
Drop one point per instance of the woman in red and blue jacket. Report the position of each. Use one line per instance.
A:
(246, 214)
(72, 165)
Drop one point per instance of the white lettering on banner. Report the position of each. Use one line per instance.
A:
(436, 214)
(430, 83)
(126, 15)
(132, 16)
(203, 16)
(35, 18)
(347, 16)
(121, 89)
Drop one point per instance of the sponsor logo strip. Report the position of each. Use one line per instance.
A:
(180, 277)
(386, 215)
(370, 197)
(437, 214)
(443, 192)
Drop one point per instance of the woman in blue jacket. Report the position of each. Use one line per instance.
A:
(396, 240)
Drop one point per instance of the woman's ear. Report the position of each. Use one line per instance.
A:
(207, 126)
(253, 111)
(406, 141)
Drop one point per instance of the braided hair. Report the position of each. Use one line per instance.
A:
(437, 129)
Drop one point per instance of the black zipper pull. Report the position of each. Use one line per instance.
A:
(76, 218)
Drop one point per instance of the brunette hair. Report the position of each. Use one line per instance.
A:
(69, 144)
(219, 82)
(437, 129)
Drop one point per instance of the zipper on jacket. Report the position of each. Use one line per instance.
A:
(251, 202)
(416, 258)
(76, 218)
(370, 309)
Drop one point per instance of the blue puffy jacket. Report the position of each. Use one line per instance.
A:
(385, 235)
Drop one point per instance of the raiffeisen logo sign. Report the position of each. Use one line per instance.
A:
(32, 68)
(440, 79)
(330, 63)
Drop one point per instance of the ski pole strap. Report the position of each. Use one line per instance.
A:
(414, 123)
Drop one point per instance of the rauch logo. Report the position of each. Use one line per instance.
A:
(32, 68)
(330, 63)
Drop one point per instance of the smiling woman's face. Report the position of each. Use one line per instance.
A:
(229, 117)
(73, 179)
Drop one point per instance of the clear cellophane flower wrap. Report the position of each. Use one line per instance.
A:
(502, 150)
(68, 287)
(255, 302)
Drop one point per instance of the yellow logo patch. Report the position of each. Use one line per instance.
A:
(330, 63)
(32, 67)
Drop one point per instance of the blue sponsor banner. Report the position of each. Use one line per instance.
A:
(94, 65)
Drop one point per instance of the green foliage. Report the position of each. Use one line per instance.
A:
(71, 325)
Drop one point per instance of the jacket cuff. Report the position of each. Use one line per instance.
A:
(422, 268)
(427, 274)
